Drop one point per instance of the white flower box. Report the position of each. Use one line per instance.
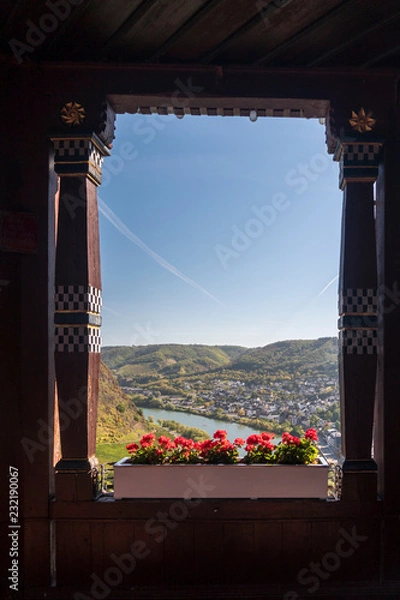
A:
(220, 481)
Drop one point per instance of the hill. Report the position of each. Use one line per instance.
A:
(288, 358)
(141, 364)
(173, 362)
(117, 416)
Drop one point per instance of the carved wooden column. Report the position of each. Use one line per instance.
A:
(359, 161)
(388, 409)
(78, 162)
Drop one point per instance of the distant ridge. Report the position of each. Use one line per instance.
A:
(130, 363)
(138, 364)
(291, 356)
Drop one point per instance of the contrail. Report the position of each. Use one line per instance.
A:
(122, 228)
(111, 310)
(302, 308)
(326, 287)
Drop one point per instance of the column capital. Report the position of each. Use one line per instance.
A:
(355, 134)
(82, 132)
(76, 155)
(84, 115)
(359, 159)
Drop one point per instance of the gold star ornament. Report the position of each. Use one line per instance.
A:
(72, 114)
(362, 121)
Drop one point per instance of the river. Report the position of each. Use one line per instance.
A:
(208, 424)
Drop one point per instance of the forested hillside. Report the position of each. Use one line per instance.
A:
(118, 417)
(291, 357)
(139, 364)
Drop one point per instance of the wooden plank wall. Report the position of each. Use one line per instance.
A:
(213, 546)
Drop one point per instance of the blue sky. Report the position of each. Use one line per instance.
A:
(217, 230)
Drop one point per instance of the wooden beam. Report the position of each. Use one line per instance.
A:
(379, 57)
(183, 30)
(266, 107)
(194, 87)
(218, 82)
(64, 27)
(269, 510)
(209, 56)
(303, 33)
(353, 40)
(127, 25)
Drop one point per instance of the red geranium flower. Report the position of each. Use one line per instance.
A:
(254, 438)
(206, 444)
(259, 449)
(311, 434)
(163, 440)
(132, 447)
(148, 439)
(267, 444)
(225, 445)
(182, 441)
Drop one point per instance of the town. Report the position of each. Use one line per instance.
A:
(294, 404)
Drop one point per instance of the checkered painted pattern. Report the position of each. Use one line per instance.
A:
(358, 162)
(78, 339)
(361, 154)
(358, 341)
(72, 147)
(95, 157)
(78, 149)
(358, 300)
(78, 297)
(74, 152)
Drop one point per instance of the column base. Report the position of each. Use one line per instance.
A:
(359, 480)
(76, 480)
(357, 465)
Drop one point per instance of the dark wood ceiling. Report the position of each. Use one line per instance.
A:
(279, 33)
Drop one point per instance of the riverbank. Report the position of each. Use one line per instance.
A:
(208, 424)
(253, 424)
